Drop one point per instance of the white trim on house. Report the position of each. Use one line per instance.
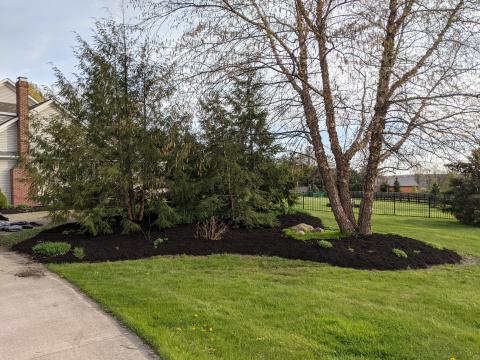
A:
(8, 123)
(37, 109)
(9, 82)
(41, 106)
(9, 155)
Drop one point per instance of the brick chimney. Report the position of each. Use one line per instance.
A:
(22, 113)
(19, 181)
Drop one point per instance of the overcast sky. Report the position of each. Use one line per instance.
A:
(35, 34)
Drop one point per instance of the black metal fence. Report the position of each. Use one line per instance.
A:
(401, 204)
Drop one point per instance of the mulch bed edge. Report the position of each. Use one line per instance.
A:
(374, 252)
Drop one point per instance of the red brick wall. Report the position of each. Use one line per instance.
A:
(404, 189)
(22, 113)
(20, 188)
(19, 182)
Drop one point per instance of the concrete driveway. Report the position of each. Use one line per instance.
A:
(43, 317)
(37, 216)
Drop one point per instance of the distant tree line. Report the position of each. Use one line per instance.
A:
(465, 187)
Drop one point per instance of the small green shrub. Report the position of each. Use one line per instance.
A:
(400, 253)
(129, 227)
(167, 216)
(79, 252)
(99, 220)
(325, 244)
(209, 207)
(157, 242)
(3, 201)
(51, 249)
(384, 187)
(253, 219)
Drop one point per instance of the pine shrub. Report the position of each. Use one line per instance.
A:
(3, 201)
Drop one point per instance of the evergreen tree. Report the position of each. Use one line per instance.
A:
(357, 178)
(3, 200)
(396, 185)
(465, 187)
(114, 146)
(384, 186)
(242, 179)
(249, 117)
(435, 190)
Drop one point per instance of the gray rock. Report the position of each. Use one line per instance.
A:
(302, 227)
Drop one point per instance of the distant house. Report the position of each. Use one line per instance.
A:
(408, 183)
(16, 107)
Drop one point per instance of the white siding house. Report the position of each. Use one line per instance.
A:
(15, 107)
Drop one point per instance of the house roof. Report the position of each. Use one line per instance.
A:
(5, 118)
(11, 84)
(40, 106)
(8, 111)
(12, 108)
(6, 123)
(404, 180)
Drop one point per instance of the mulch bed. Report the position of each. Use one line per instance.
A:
(369, 252)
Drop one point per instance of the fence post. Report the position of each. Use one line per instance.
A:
(303, 201)
(394, 203)
(429, 206)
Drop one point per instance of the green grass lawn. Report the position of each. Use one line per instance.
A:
(13, 238)
(447, 233)
(234, 307)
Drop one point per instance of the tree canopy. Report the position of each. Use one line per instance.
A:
(122, 152)
(240, 177)
(111, 151)
(359, 80)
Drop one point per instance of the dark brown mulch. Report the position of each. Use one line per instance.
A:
(21, 210)
(295, 219)
(369, 252)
